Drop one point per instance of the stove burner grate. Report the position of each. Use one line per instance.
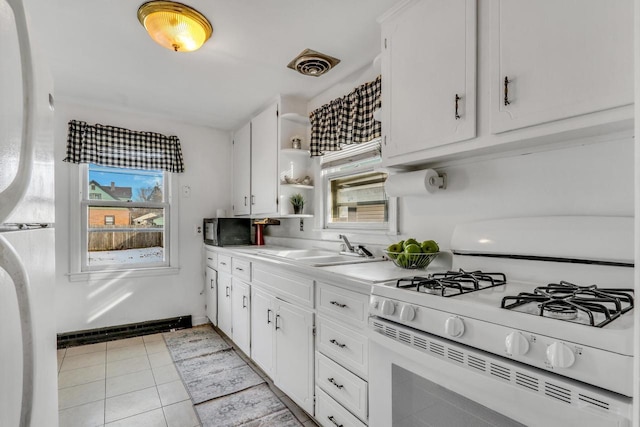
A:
(566, 301)
(453, 283)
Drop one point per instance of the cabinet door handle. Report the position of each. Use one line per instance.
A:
(227, 292)
(337, 304)
(506, 90)
(457, 98)
(245, 200)
(334, 342)
(211, 283)
(333, 420)
(277, 317)
(332, 381)
(253, 199)
(244, 301)
(269, 315)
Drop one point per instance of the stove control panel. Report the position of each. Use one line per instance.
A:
(387, 307)
(407, 313)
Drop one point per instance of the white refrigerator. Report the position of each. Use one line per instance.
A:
(28, 369)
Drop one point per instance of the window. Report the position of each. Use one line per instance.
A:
(354, 193)
(126, 225)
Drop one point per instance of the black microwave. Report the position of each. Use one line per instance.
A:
(227, 231)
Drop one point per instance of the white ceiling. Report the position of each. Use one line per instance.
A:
(99, 53)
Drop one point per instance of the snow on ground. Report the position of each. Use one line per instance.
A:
(127, 256)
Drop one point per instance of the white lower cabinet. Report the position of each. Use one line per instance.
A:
(282, 345)
(262, 329)
(211, 294)
(224, 303)
(241, 314)
(329, 413)
(342, 362)
(294, 353)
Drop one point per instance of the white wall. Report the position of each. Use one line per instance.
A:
(93, 304)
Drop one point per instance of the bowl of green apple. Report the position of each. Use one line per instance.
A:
(411, 254)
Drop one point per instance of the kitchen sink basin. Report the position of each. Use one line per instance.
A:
(316, 257)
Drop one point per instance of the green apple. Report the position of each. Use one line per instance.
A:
(412, 248)
(402, 260)
(394, 248)
(411, 241)
(430, 246)
(401, 243)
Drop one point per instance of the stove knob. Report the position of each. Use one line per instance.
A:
(374, 304)
(516, 344)
(407, 313)
(454, 326)
(560, 355)
(387, 307)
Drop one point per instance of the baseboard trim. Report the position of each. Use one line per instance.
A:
(92, 336)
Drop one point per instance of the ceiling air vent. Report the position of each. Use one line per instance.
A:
(312, 63)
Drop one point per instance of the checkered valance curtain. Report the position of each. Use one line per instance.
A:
(122, 148)
(346, 120)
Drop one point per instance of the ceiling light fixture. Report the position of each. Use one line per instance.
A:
(174, 25)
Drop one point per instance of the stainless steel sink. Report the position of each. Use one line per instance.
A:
(316, 257)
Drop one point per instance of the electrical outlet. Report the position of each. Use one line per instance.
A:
(186, 191)
(197, 230)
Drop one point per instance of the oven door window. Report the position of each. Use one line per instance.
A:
(420, 402)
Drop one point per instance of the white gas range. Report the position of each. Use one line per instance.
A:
(544, 336)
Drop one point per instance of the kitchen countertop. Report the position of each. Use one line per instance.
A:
(349, 275)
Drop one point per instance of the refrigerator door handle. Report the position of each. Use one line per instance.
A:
(11, 196)
(11, 263)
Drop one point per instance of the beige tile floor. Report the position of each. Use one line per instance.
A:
(130, 382)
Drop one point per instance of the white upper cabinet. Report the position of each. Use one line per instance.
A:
(242, 171)
(429, 76)
(264, 164)
(561, 58)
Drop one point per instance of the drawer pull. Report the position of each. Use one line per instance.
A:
(210, 259)
(332, 381)
(337, 343)
(333, 420)
(506, 90)
(239, 269)
(223, 263)
(337, 304)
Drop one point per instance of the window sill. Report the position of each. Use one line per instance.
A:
(86, 276)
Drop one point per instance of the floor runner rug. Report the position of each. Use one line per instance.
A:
(225, 390)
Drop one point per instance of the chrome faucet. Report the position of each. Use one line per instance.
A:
(358, 250)
(346, 242)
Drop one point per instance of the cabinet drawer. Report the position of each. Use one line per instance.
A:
(345, 346)
(290, 287)
(346, 388)
(211, 259)
(329, 413)
(342, 304)
(224, 263)
(241, 269)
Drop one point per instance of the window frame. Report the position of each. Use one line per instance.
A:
(353, 164)
(81, 209)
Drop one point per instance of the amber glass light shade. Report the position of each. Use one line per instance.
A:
(174, 25)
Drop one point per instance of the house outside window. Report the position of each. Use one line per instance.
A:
(353, 190)
(126, 225)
